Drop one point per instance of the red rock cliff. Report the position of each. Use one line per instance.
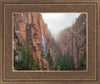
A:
(30, 26)
(73, 40)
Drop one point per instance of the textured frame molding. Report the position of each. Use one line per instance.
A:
(95, 81)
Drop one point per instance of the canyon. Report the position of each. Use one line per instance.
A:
(31, 30)
(73, 40)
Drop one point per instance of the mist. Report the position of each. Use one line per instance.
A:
(59, 21)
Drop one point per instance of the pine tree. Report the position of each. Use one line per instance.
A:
(50, 60)
(27, 60)
(65, 62)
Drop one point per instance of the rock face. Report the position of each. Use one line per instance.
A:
(53, 47)
(73, 40)
(28, 28)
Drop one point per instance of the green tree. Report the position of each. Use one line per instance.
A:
(66, 62)
(27, 60)
(82, 61)
(50, 60)
(57, 67)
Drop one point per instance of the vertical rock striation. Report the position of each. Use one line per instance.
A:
(73, 40)
(29, 27)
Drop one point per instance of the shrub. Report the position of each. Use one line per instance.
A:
(27, 60)
(31, 24)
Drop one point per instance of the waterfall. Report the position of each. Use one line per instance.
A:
(43, 44)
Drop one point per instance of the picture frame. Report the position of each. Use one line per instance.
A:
(92, 75)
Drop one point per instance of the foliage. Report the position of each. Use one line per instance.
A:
(34, 34)
(27, 60)
(57, 67)
(52, 68)
(35, 29)
(65, 63)
(31, 24)
(50, 60)
(82, 62)
(48, 40)
(42, 52)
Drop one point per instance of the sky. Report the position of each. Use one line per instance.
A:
(59, 21)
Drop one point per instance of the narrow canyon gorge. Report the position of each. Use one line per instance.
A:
(32, 32)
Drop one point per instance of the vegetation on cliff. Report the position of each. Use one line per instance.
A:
(40, 51)
(50, 60)
(26, 61)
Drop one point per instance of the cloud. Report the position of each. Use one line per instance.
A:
(59, 21)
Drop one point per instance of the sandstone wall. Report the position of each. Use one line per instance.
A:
(30, 26)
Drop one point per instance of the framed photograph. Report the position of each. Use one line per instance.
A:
(49, 42)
